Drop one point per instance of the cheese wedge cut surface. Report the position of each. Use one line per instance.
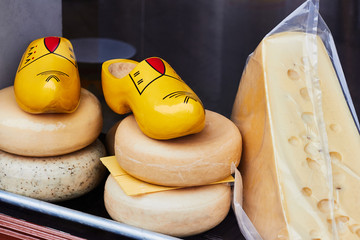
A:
(287, 191)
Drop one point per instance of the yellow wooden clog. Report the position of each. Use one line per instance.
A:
(47, 79)
(163, 105)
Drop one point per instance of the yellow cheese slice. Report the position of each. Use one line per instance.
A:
(133, 186)
(286, 193)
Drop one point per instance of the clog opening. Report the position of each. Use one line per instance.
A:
(121, 69)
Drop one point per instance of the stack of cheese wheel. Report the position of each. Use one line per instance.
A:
(50, 157)
(191, 162)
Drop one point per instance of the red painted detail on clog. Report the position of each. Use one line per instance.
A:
(157, 64)
(51, 43)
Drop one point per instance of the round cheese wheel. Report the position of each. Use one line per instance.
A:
(41, 135)
(192, 160)
(53, 178)
(180, 212)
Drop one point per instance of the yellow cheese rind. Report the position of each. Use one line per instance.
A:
(53, 178)
(261, 188)
(54, 134)
(192, 160)
(286, 189)
(179, 212)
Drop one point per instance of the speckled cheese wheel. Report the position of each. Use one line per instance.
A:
(53, 178)
(192, 160)
(41, 135)
(181, 212)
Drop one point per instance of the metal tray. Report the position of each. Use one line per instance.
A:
(86, 217)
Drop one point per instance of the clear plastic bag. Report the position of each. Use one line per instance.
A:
(300, 188)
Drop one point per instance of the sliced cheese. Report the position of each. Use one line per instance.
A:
(286, 185)
(53, 178)
(28, 134)
(180, 212)
(192, 160)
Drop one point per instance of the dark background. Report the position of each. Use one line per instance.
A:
(207, 41)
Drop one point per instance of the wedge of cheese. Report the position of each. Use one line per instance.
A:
(293, 189)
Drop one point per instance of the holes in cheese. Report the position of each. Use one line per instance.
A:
(293, 74)
(294, 140)
(355, 228)
(308, 118)
(341, 224)
(313, 164)
(335, 127)
(304, 94)
(324, 205)
(277, 167)
(306, 191)
(315, 234)
(335, 156)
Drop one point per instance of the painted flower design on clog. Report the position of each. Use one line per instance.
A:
(47, 79)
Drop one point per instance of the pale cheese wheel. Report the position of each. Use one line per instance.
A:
(27, 134)
(180, 212)
(53, 178)
(192, 160)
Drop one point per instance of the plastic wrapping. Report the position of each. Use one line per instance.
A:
(247, 228)
(297, 171)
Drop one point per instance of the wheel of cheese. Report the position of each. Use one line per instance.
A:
(41, 135)
(192, 160)
(53, 178)
(181, 212)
